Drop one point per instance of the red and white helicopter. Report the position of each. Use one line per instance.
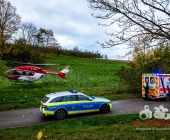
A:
(31, 72)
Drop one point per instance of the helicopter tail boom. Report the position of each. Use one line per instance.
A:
(62, 73)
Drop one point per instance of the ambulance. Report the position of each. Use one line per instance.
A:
(159, 85)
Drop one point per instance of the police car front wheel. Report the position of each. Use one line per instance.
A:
(60, 114)
(104, 109)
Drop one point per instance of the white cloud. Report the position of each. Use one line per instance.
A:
(79, 27)
(71, 21)
(66, 41)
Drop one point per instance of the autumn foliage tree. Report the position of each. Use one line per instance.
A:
(3, 67)
(45, 39)
(9, 23)
(155, 60)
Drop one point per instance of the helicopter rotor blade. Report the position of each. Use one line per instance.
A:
(32, 64)
(43, 64)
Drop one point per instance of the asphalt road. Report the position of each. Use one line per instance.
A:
(26, 117)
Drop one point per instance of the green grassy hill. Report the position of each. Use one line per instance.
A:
(91, 76)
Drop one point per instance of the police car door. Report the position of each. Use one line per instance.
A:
(86, 105)
(71, 104)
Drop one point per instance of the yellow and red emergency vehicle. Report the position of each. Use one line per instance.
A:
(159, 85)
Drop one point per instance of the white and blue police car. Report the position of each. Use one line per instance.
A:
(62, 104)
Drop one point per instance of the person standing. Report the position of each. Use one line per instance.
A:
(146, 90)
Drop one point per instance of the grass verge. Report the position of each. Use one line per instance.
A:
(119, 127)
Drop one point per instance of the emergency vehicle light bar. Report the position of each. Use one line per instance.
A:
(154, 74)
(163, 74)
(73, 91)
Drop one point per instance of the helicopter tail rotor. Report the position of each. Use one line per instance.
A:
(62, 73)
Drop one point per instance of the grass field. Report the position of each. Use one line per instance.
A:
(119, 127)
(91, 76)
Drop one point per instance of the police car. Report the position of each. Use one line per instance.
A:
(62, 104)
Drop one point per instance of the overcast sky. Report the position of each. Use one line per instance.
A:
(72, 23)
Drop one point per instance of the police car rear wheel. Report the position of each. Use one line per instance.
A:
(104, 109)
(60, 114)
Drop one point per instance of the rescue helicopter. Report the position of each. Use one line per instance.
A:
(32, 72)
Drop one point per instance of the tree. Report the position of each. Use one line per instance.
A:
(153, 61)
(106, 57)
(19, 52)
(46, 39)
(9, 23)
(75, 51)
(3, 68)
(142, 23)
(58, 49)
(27, 32)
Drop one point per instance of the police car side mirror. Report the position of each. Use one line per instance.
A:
(91, 99)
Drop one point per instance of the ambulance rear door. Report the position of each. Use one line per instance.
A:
(150, 78)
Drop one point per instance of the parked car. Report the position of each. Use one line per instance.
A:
(62, 104)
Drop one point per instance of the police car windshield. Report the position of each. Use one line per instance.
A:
(45, 99)
(92, 97)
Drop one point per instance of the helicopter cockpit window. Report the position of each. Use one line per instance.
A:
(9, 72)
(19, 72)
(26, 73)
(31, 74)
(12, 72)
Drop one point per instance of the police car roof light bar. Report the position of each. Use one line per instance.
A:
(73, 91)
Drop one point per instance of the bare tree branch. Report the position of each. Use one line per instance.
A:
(142, 23)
